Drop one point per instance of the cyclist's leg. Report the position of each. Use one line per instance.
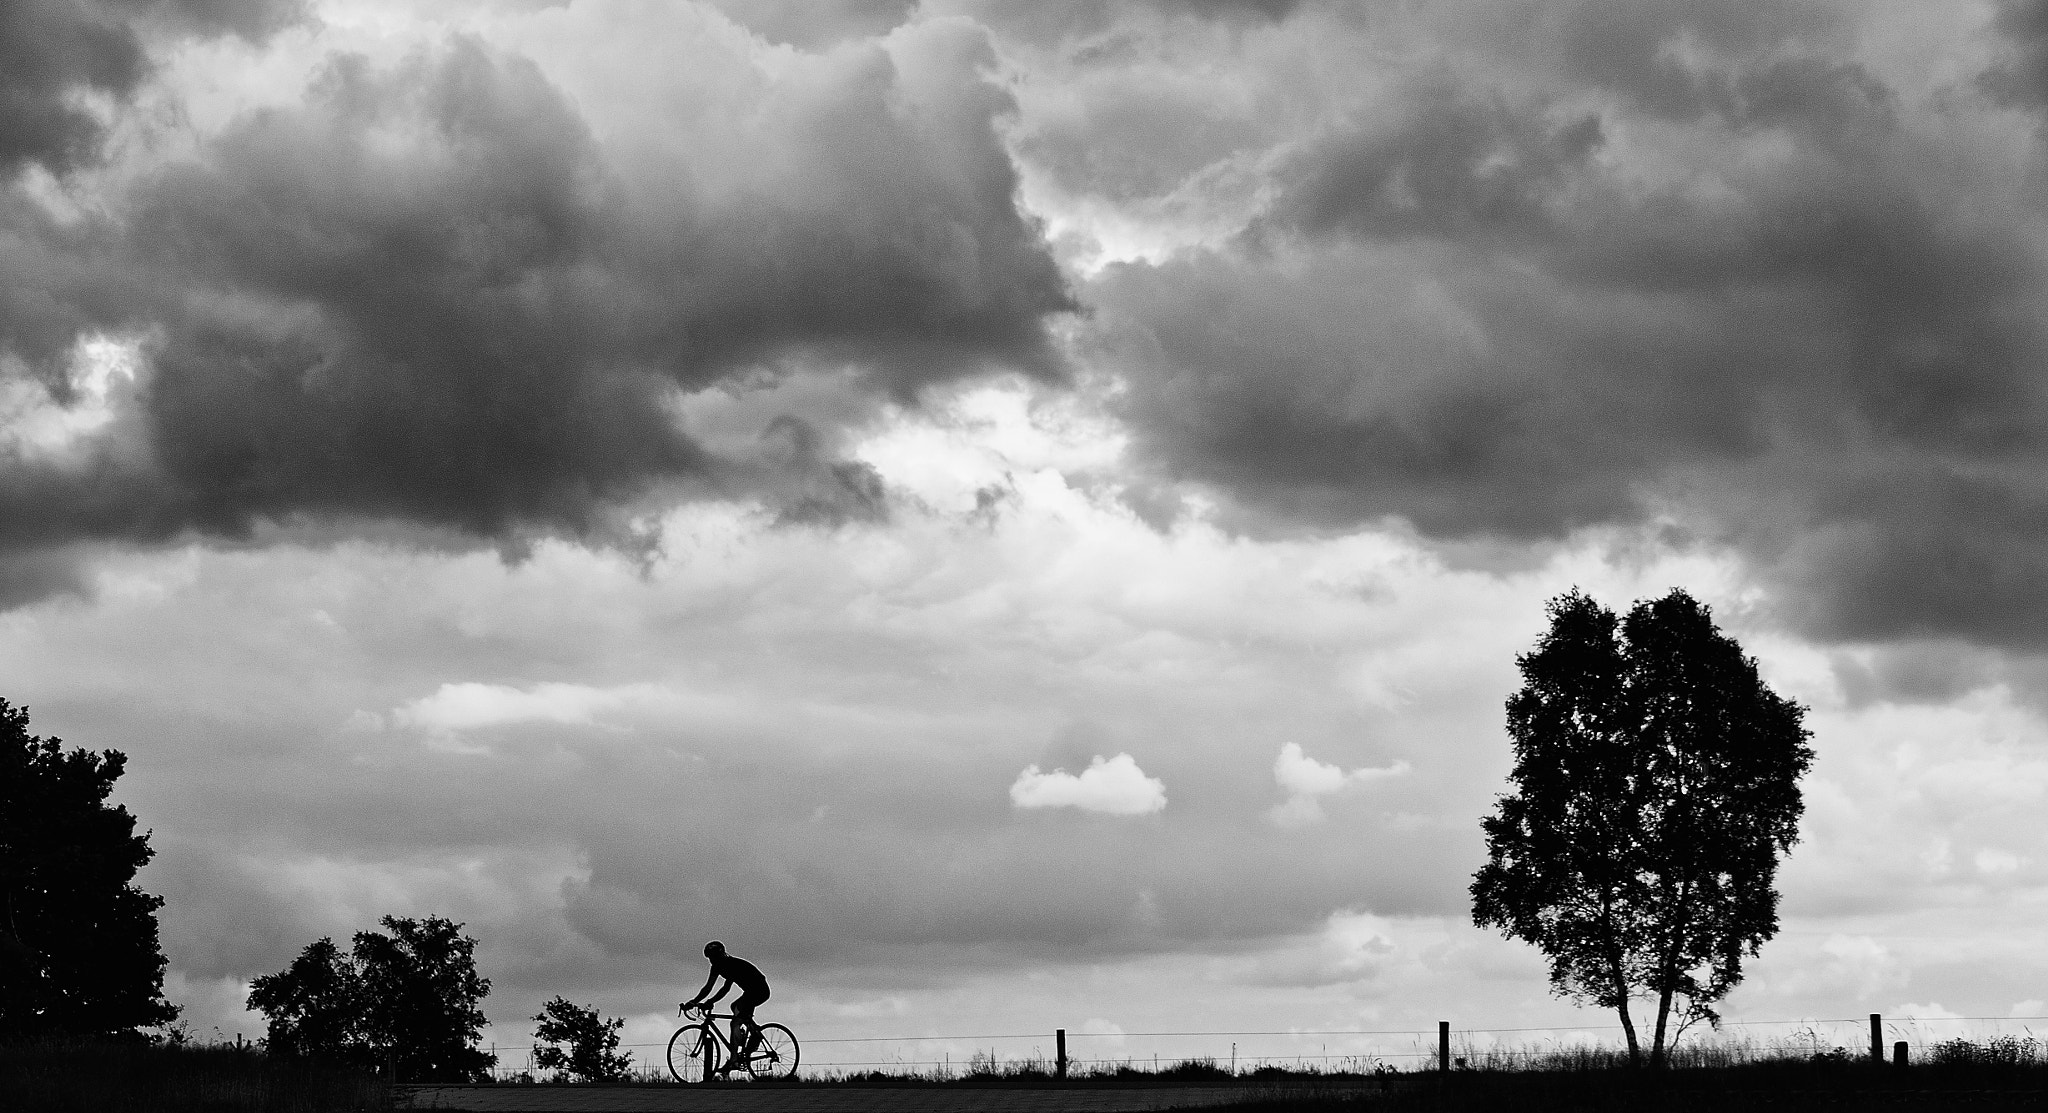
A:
(743, 1013)
(733, 1059)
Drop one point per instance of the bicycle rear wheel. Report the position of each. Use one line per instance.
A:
(775, 1055)
(692, 1054)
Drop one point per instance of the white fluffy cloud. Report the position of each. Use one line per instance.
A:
(471, 706)
(1306, 780)
(1112, 786)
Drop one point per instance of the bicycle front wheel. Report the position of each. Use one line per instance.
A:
(775, 1055)
(692, 1054)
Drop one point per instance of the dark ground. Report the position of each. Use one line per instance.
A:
(143, 1079)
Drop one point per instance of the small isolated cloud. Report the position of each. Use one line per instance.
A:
(1349, 947)
(1113, 786)
(1306, 780)
(1356, 944)
(1096, 1026)
(1993, 862)
(455, 708)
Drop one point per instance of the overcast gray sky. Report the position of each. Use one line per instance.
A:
(1016, 516)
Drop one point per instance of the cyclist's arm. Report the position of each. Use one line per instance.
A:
(722, 991)
(698, 997)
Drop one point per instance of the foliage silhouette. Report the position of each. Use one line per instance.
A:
(571, 1038)
(1655, 786)
(315, 1007)
(408, 1001)
(79, 955)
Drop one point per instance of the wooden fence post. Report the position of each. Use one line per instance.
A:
(1443, 1046)
(1876, 1038)
(1059, 1038)
(1899, 1054)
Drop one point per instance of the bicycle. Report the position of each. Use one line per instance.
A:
(695, 1051)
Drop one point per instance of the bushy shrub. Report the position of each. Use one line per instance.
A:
(2004, 1051)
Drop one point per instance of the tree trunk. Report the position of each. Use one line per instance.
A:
(1617, 980)
(1667, 969)
(1628, 1028)
(1663, 1015)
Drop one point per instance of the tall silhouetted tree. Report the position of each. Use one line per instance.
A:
(1656, 784)
(78, 939)
(569, 1037)
(410, 999)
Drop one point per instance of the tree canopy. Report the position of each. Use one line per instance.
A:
(410, 1000)
(315, 1007)
(577, 1040)
(79, 954)
(1655, 786)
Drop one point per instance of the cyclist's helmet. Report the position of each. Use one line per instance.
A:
(713, 949)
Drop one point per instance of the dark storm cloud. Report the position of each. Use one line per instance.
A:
(1651, 53)
(817, 489)
(52, 51)
(1094, 25)
(1469, 310)
(1264, 9)
(56, 282)
(2021, 76)
(27, 577)
(425, 295)
(423, 334)
(1916, 673)
(1453, 168)
(55, 55)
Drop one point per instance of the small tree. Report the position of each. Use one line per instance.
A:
(79, 954)
(1655, 786)
(571, 1038)
(410, 999)
(422, 996)
(315, 1007)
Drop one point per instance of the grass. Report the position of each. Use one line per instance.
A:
(138, 1077)
(2005, 1072)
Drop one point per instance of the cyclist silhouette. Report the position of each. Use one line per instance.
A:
(753, 990)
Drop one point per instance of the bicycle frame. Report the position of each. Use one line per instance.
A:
(722, 1035)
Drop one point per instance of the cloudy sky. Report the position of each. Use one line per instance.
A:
(1016, 516)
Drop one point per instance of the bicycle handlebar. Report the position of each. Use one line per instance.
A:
(701, 1012)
